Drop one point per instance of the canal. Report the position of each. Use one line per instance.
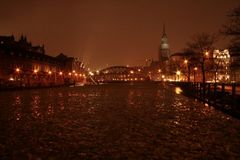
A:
(113, 121)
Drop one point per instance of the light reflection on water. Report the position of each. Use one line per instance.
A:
(178, 90)
(115, 121)
(17, 104)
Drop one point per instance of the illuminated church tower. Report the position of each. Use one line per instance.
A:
(164, 51)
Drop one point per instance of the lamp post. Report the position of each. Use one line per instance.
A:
(178, 73)
(17, 70)
(186, 62)
(194, 74)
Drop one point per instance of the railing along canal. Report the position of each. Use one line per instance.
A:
(224, 96)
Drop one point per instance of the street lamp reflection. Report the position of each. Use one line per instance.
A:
(178, 90)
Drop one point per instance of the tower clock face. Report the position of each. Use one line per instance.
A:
(164, 46)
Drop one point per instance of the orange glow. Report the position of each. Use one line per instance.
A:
(49, 72)
(195, 68)
(60, 73)
(178, 72)
(206, 53)
(178, 90)
(69, 73)
(185, 61)
(35, 71)
(17, 69)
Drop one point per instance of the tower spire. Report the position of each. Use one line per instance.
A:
(164, 31)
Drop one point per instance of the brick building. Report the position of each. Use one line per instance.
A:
(25, 65)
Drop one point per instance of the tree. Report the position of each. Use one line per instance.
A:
(232, 29)
(190, 61)
(201, 46)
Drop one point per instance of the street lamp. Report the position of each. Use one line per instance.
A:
(178, 75)
(185, 61)
(206, 53)
(17, 70)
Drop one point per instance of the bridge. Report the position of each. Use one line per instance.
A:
(121, 74)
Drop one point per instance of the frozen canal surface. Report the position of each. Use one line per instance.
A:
(114, 121)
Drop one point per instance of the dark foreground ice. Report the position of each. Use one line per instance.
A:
(114, 121)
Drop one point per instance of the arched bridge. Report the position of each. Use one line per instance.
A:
(116, 70)
(120, 73)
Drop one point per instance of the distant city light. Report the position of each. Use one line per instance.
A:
(60, 73)
(35, 70)
(195, 68)
(206, 53)
(131, 71)
(185, 61)
(69, 73)
(91, 73)
(159, 71)
(49, 72)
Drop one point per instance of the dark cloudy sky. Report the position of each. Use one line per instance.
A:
(113, 32)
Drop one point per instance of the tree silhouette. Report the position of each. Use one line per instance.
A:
(200, 47)
(232, 29)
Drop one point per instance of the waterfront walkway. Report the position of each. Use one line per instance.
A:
(114, 121)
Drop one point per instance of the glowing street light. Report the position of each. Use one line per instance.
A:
(60, 73)
(69, 73)
(131, 72)
(35, 71)
(49, 72)
(195, 68)
(206, 53)
(17, 70)
(159, 71)
(185, 61)
(178, 73)
(91, 73)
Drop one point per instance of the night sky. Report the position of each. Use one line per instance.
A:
(112, 32)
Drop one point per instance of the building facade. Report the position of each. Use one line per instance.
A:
(25, 65)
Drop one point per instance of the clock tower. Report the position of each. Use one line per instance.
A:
(164, 51)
